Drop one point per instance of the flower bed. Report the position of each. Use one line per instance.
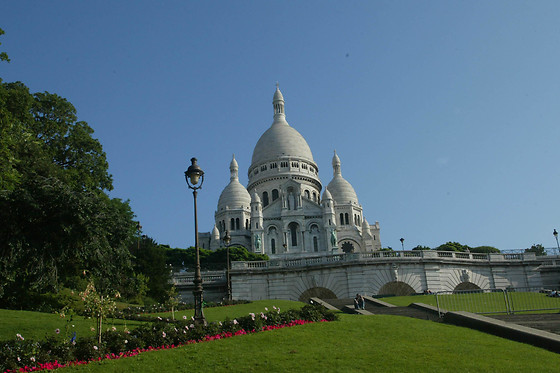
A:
(59, 351)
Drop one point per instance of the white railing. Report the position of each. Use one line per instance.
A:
(187, 278)
(382, 256)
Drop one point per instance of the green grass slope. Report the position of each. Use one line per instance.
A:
(354, 344)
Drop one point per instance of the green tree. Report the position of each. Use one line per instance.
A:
(3, 55)
(420, 247)
(57, 220)
(452, 246)
(150, 261)
(484, 250)
(538, 249)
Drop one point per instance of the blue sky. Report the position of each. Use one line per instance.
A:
(444, 113)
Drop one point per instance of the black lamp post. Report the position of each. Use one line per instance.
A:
(402, 243)
(555, 233)
(195, 177)
(227, 240)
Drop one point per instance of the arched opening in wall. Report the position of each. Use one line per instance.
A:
(348, 247)
(397, 288)
(232, 224)
(307, 195)
(247, 224)
(315, 244)
(346, 219)
(341, 219)
(466, 286)
(237, 223)
(265, 199)
(274, 194)
(317, 292)
(293, 227)
(315, 197)
(273, 246)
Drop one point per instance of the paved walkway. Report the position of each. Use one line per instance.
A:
(549, 322)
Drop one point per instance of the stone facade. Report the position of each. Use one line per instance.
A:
(282, 213)
(400, 273)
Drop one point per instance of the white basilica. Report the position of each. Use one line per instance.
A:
(281, 212)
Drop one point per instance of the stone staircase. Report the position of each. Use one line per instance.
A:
(372, 307)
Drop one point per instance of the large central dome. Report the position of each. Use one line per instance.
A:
(280, 140)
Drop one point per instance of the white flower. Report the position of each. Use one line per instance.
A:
(185, 317)
(266, 308)
(95, 348)
(235, 322)
(114, 329)
(57, 331)
(20, 336)
(163, 334)
(32, 358)
(125, 341)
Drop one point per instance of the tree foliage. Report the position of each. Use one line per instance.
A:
(210, 260)
(57, 220)
(452, 246)
(538, 249)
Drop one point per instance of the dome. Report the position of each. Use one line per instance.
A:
(234, 194)
(327, 195)
(280, 139)
(341, 190)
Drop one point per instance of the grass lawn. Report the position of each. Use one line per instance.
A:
(36, 325)
(356, 343)
(220, 313)
(483, 302)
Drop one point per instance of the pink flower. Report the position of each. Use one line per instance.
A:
(19, 336)
(163, 334)
(32, 358)
(192, 318)
(114, 329)
(95, 348)
(274, 307)
(92, 329)
(185, 317)
(187, 327)
(57, 331)
(235, 322)
(159, 318)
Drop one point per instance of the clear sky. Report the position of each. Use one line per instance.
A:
(445, 114)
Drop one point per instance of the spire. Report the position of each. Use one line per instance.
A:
(278, 103)
(233, 169)
(336, 165)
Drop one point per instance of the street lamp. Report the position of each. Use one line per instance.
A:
(555, 233)
(402, 243)
(195, 177)
(227, 240)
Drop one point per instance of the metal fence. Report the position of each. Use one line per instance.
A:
(503, 301)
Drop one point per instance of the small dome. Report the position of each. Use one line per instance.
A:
(215, 233)
(234, 194)
(341, 190)
(326, 195)
(256, 198)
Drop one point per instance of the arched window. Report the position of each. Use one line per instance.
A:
(293, 233)
(274, 194)
(315, 197)
(246, 223)
(315, 244)
(237, 223)
(232, 224)
(341, 218)
(346, 219)
(273, 246)
(265, 199)
(307, 194)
